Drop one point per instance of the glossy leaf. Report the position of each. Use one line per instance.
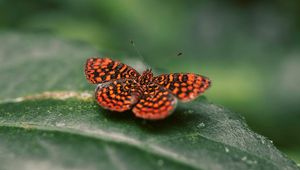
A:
(57, 126)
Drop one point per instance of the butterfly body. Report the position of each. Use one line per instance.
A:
(121, 88)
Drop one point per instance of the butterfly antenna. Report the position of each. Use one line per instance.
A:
(137, 51)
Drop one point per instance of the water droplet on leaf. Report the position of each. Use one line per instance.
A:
(244, 158)
(201, 125)
(226, 149)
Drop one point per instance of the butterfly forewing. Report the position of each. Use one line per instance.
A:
(185, 86)
(118, 95)
(155, 103)
(100, 70)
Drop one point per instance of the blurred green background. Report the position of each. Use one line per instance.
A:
(249, 48)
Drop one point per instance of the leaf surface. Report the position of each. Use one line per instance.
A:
(68, 130)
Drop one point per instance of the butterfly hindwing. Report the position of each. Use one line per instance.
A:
(155, 103)
(118, 95)
(185, 86)
(100, 70)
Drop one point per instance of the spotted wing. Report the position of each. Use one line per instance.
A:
(117, 95)
(155, 103)
(100, 70)
(186, 87)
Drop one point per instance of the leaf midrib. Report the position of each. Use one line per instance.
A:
(107, 137)
(102, 137)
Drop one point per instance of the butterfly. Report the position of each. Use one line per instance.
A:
(121, 88)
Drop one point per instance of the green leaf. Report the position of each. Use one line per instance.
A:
(76, 134)
(32, 64)
(68, 130)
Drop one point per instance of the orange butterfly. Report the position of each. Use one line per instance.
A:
(120, 88)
